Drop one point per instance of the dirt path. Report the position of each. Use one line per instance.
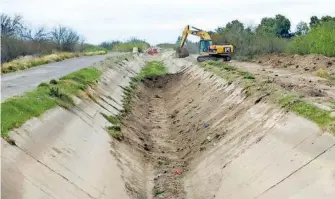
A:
(309, 85)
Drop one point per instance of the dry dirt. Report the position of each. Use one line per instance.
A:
(295, 79)
(299, 63)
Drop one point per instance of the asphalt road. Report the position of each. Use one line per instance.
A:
(14, 84)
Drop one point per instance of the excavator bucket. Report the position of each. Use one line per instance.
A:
(182, 52)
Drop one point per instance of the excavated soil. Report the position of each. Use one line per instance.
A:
(297, 74)
(301, 63)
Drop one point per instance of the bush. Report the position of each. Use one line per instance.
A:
(248, 44)
(320, 40)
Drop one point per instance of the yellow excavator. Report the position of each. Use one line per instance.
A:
(208, 51)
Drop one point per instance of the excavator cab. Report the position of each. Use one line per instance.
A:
(205, 46)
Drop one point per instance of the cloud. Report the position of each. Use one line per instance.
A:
(157, 21)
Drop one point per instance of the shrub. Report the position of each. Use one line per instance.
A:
(320, 40)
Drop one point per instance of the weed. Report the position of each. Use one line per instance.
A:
(115, 132)
(112, 119)
(247, 75)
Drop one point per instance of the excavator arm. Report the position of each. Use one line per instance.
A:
(196, 32)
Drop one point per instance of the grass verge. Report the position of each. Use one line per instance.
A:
(21, 64)
(151, 69)
(15, 111)
(289, 101)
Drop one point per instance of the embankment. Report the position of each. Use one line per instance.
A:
(190, 134)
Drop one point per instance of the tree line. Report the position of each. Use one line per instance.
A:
(126, 46)
(273, 34)
(19, 39)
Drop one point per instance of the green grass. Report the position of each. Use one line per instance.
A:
(153, 68)
(15, 111)
(307, 110)
(85, 76)
(115, 132)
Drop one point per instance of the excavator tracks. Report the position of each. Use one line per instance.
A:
(203, 58)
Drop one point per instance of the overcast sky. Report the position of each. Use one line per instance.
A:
(157, 20)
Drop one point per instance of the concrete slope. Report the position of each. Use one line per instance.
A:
(223, 142)
(17, 83)
(66, 153)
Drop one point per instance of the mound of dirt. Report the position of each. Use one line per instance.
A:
(309, 63)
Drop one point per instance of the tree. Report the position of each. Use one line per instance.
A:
(267, 25)
(327, 18)
(279, 25)
(314, 21)
(11, 26)
(65, 38)
(302, 28)
(283, 25)
(235, 25)
(37, 34)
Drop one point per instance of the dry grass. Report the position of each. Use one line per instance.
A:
(322, 73)
(22, 64)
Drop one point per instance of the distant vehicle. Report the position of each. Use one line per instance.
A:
(152, 51)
